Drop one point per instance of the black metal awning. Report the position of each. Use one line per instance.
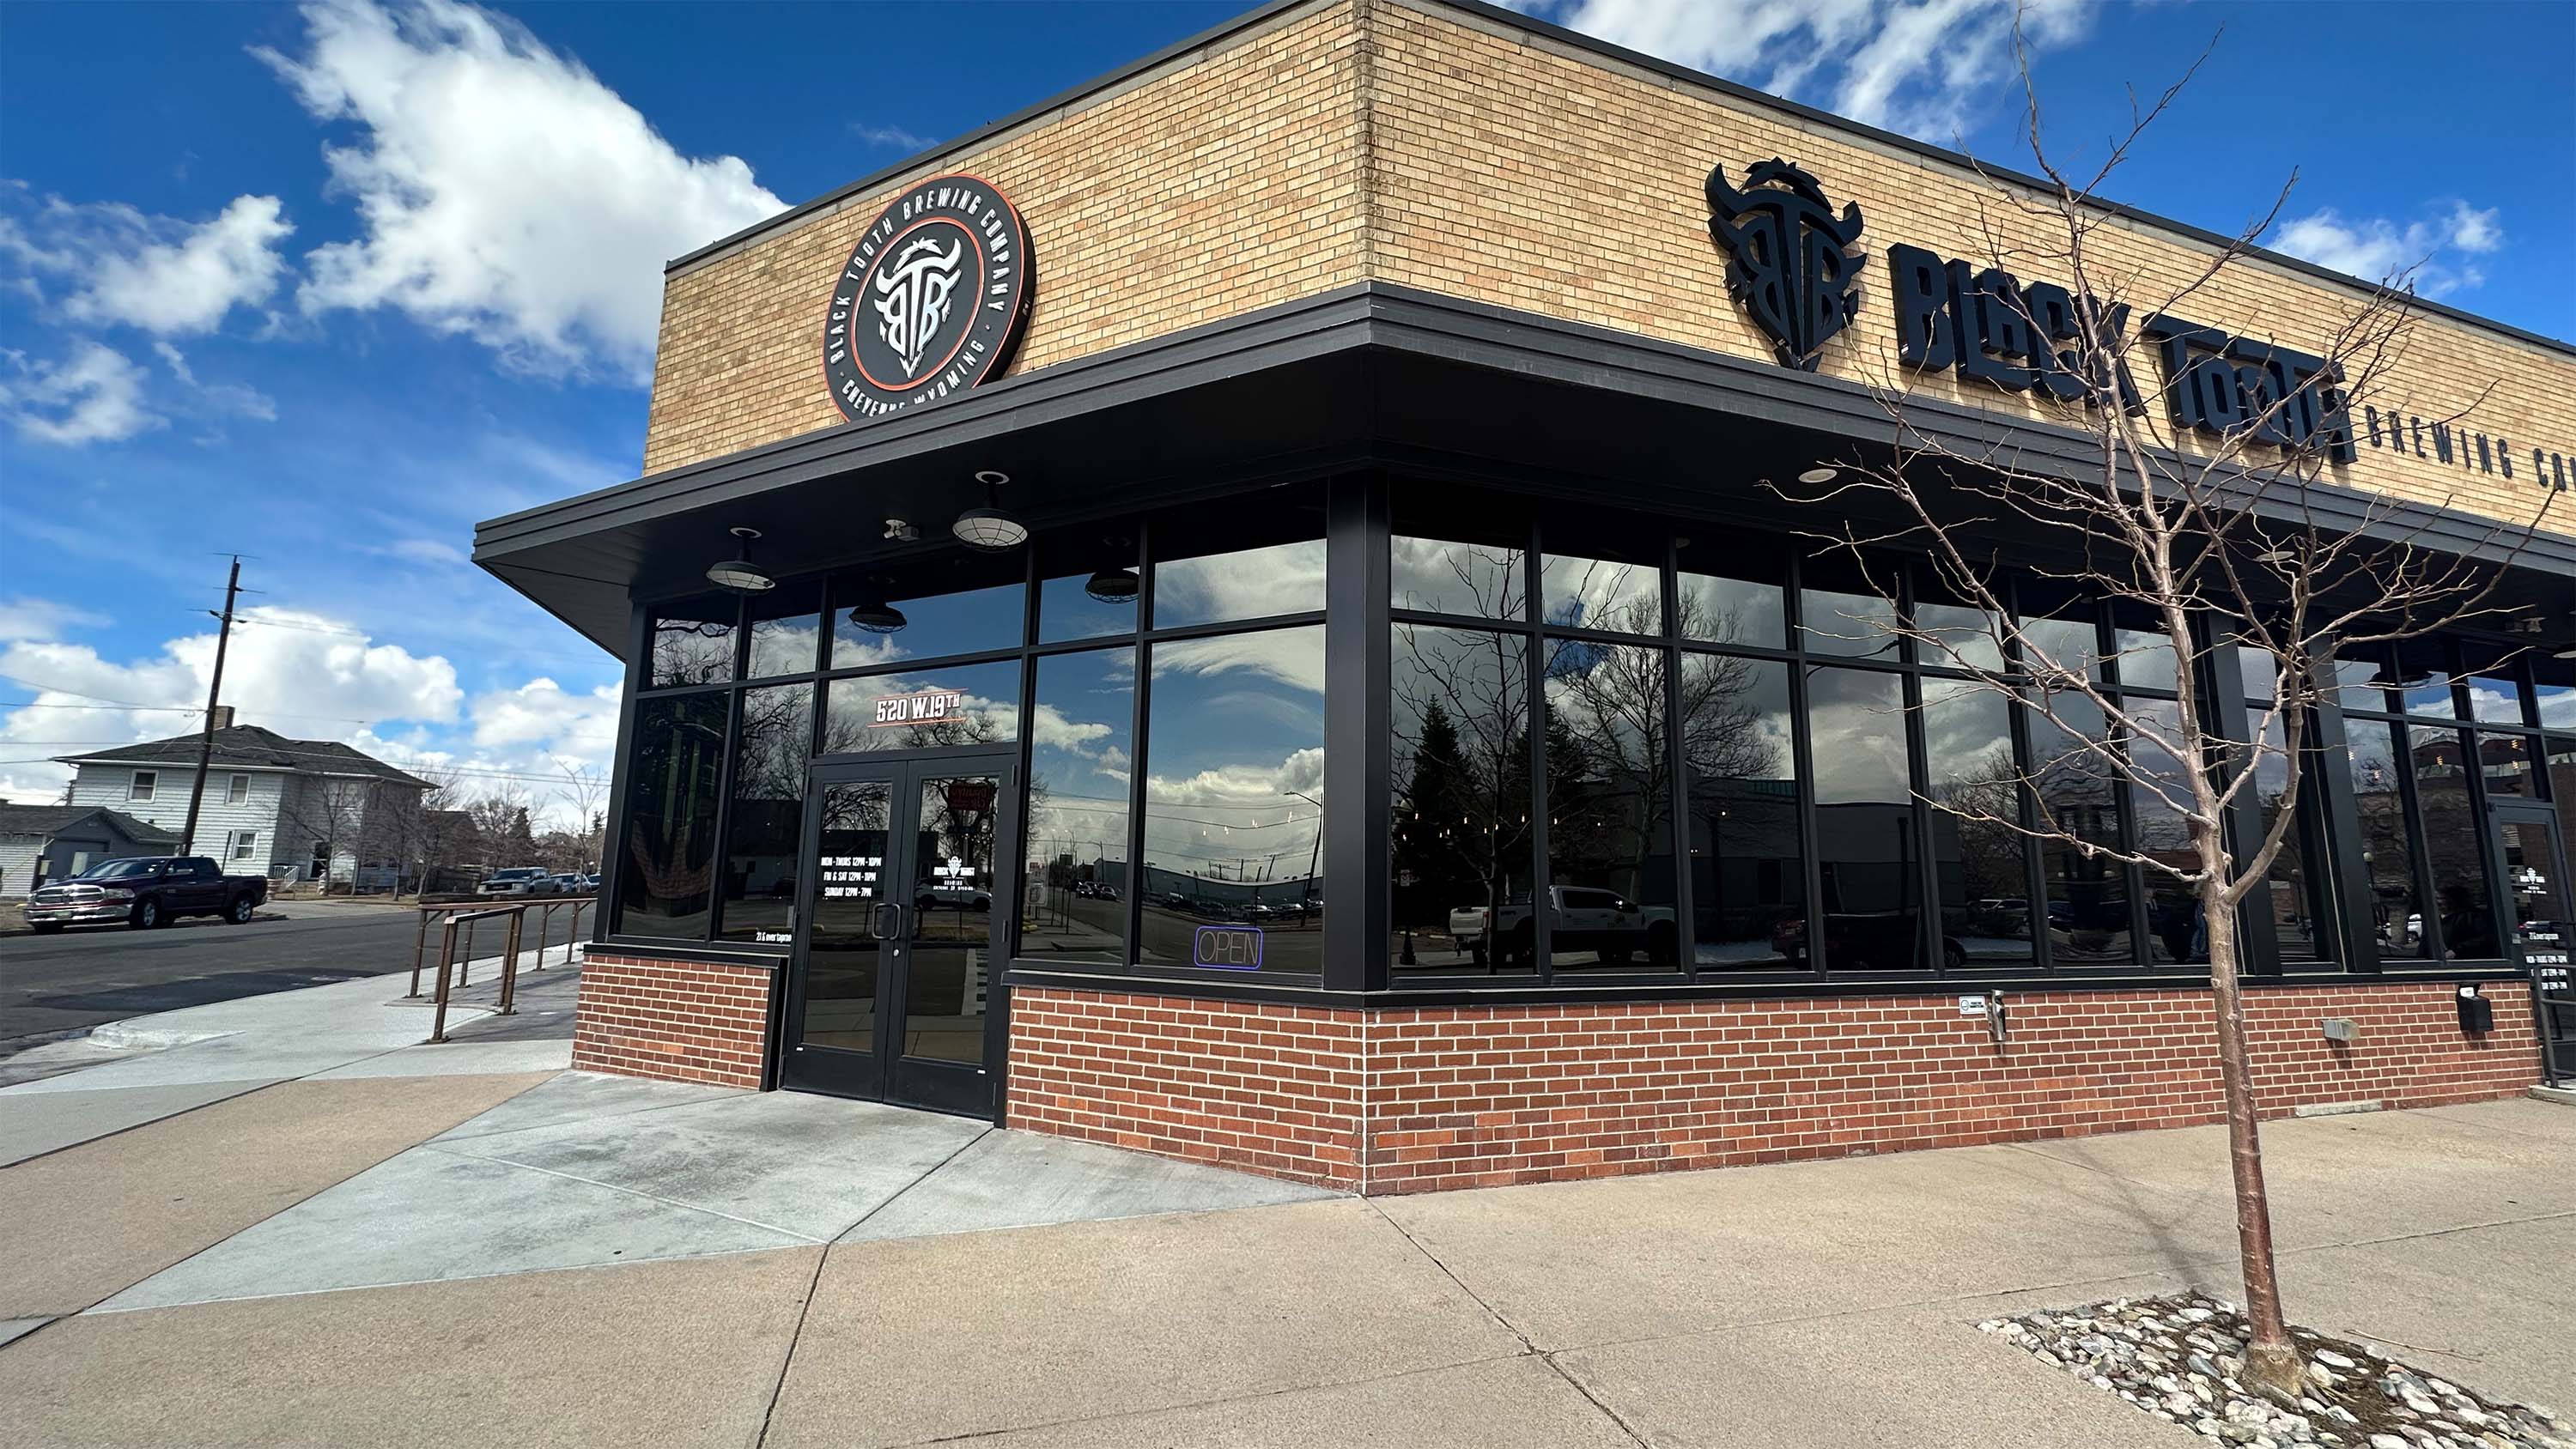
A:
(1367, 376)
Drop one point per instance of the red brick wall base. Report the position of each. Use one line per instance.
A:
(1398, 1101)
(681, 1021)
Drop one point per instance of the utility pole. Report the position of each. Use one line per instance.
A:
(214, 692)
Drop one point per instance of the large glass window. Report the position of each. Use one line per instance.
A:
(1459, 802)
(1869, 856)
(1090, 588)
(1227, 586)
(2451, 845)
(786, 627)
(1748, 874)
(767, 820)
(1727, 598)
(2076, 797)
(2160, 802)
(1609, 792)
(1980, 866)
(1234, 791)
(1081, 760)
(947, 604)
(2398, 917)
(693, 641)
(958, 704)
(667, 862)
(2296, 890)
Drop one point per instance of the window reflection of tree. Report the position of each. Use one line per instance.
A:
(1609, 770)
(850, 727)
(2075, 793)
(1747, 872)
(670, 856)
(1461, 763)
(768, 808)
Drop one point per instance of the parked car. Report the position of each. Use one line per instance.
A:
(518, 880)
(569, 883)
(1584, 919)
(146, 891)
(956, 897)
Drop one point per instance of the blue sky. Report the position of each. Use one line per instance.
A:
(327, 284)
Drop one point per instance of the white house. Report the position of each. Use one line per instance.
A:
(291, 809)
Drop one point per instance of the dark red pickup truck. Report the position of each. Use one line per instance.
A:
(146, 891)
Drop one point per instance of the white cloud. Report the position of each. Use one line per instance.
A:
(504, 193)
(107, 263)
(2427, 255)
(425, 551)
(304, 675)
(95, 395)
(894, 136)
(188, 281)
(542, 714)
(26, 618)
(222, 398)
(1921, 67)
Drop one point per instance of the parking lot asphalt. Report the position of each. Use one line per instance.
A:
(58, 985)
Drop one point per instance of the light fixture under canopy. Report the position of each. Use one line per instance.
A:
(737, 573)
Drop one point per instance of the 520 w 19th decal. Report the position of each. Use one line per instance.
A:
(931, 301)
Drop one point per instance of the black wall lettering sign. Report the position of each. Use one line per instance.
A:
(1789, 259)
(931, 301)
(2220, 385)
(1989, 326)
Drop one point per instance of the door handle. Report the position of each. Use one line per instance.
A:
(876, 919)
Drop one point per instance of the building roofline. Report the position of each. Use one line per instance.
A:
(1514, 20)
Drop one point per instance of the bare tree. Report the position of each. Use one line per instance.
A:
(584, 795)
(2206, 545)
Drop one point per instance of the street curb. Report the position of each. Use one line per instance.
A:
(2563, 1096)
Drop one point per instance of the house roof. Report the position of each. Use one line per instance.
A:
(51, 820)
(250, 747)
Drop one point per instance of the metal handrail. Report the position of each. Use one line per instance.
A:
(447, 954)
(475, 909)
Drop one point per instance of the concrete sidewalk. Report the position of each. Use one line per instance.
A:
(1819, 1304)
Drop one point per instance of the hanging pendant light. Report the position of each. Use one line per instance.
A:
(988, 528)
(1114, 586)
(736, 573)
(873, 613)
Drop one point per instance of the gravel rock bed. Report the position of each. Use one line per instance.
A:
(2178, 1357)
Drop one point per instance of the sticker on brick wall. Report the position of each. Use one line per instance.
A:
(931, 301)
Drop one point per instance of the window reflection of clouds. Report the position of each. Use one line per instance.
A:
(1077, 807)
(1727, 610)
(1235, 725)
(1591, 593)
(1858, 726)
(962, 621)
(1959, 637)
(1254, 583)
(989, 712)
(1857, 625)
(1481, 580)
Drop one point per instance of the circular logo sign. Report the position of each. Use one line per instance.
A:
(931, 300)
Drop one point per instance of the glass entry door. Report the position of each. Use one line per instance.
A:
(896, 955)
(2535, 879)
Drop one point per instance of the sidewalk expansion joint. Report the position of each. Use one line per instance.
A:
(1434, 1259)
(1595, 1400)
(787, 1359)
(897, 1195)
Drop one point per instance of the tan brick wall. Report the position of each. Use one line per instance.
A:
(1216, 187)
(1401, 140)
(1423, 1100)
(1511, 171)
